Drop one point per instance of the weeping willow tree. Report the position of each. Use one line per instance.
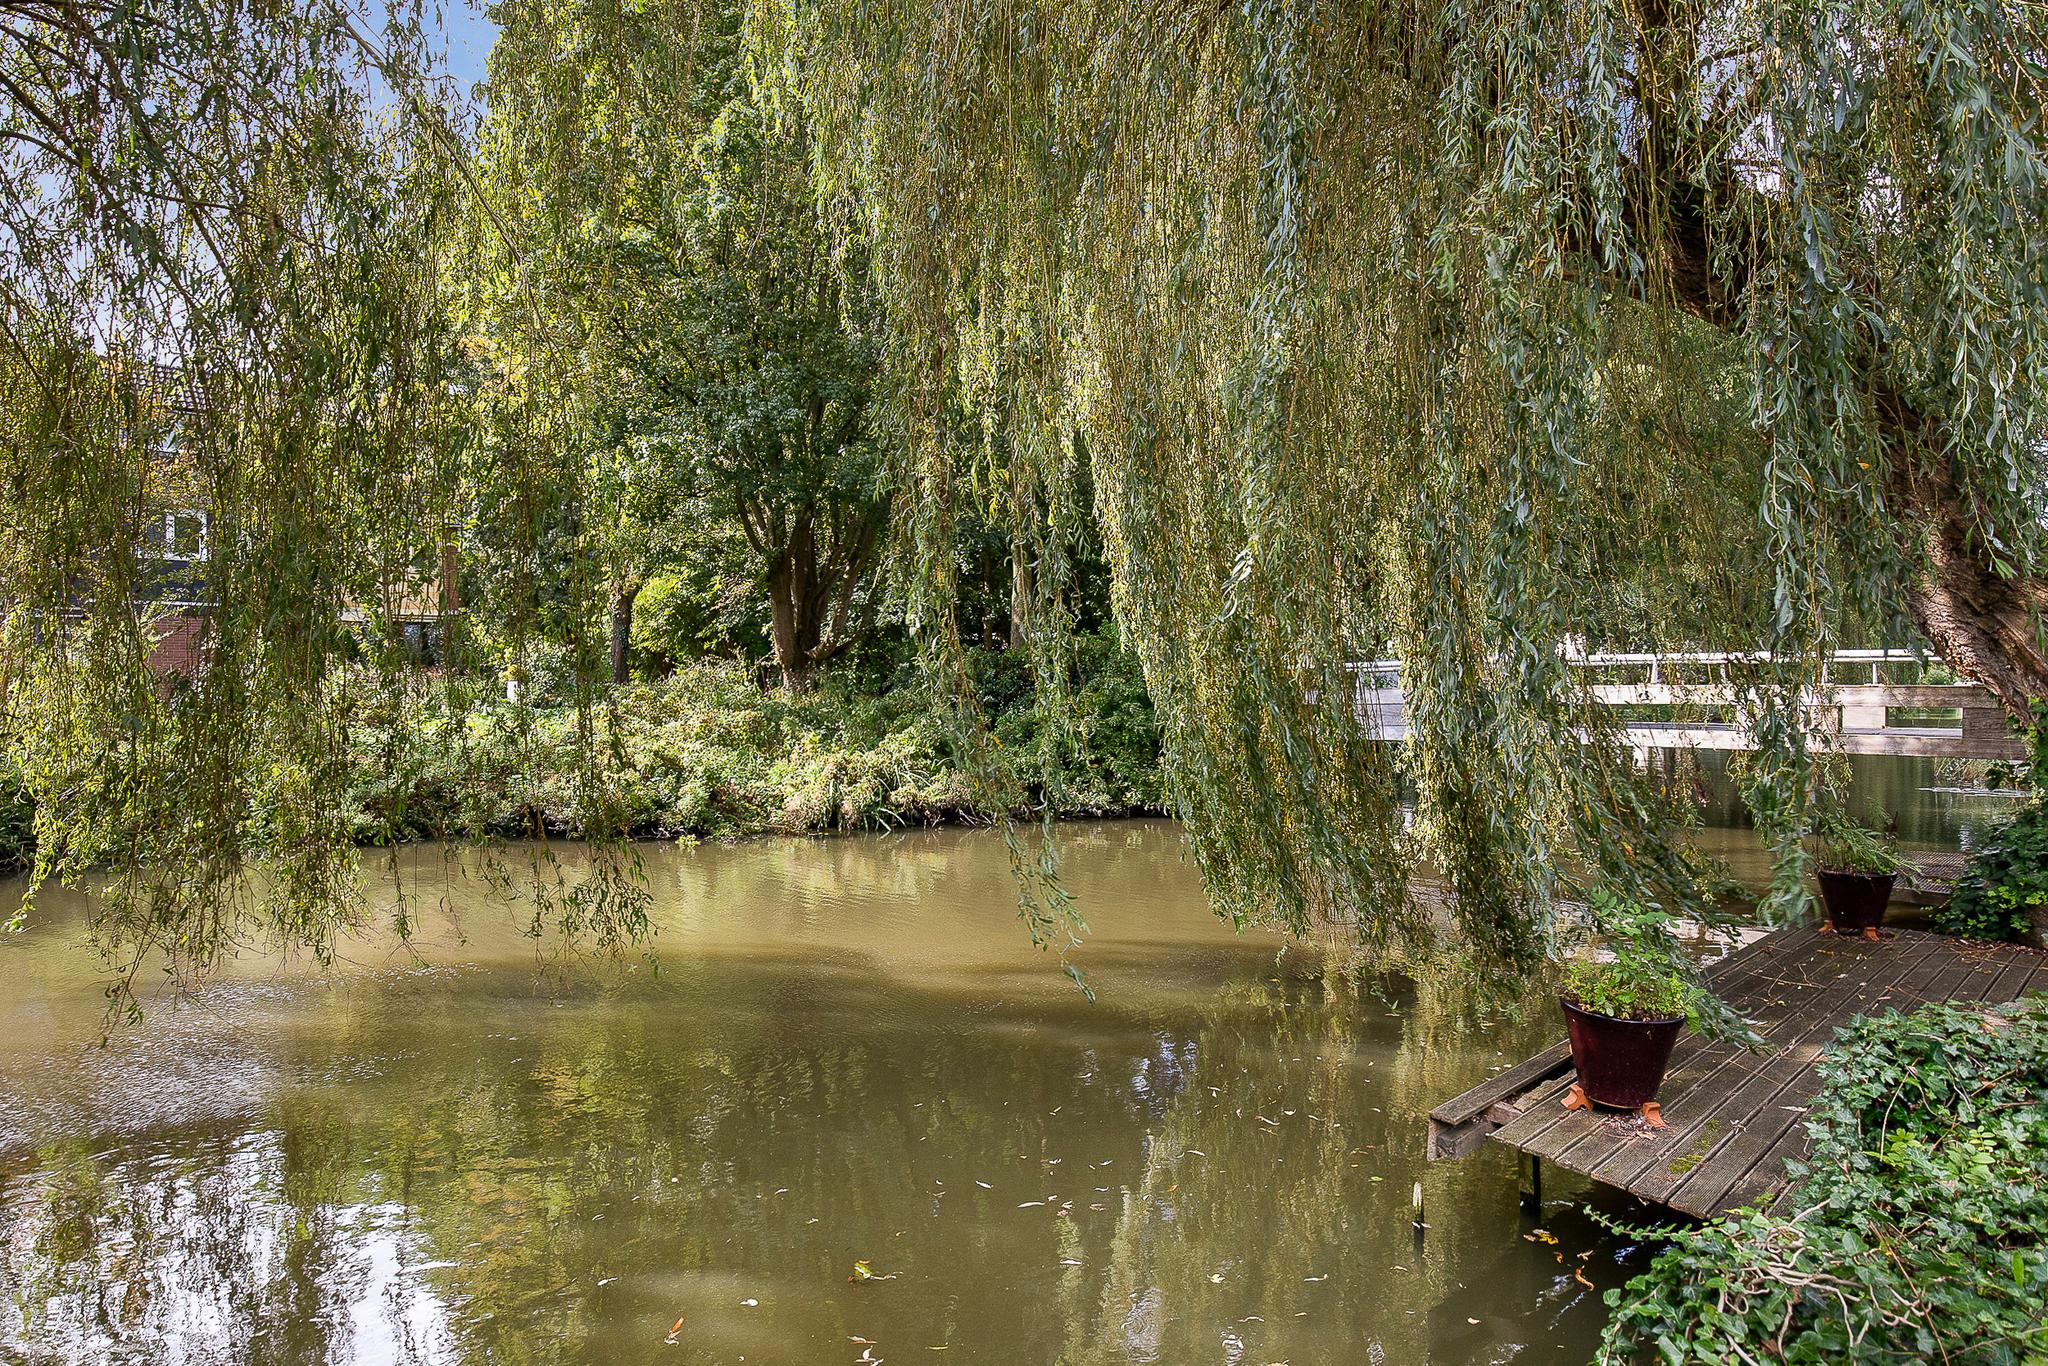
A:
(232, 415)
(1379, 325)
(218, 280)
(1455, 331)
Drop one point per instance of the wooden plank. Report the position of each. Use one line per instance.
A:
(2011, 983)
(1689, 1092)
(1706, 1118)
(1737, 1116)
(1470, 1104)
(1687, 1112)
(1460, 1124)
(1918, 696)
(1545, 1126)
(1544, 1111)
(1734, 1173)
(1581, 1139)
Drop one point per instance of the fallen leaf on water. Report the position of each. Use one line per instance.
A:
(1469, 1320)
(1031, 1204)
(860, 1341)
(984, 1185)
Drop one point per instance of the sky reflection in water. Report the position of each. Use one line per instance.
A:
(840, 1052)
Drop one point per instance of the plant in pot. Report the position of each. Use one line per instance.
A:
(1856, 866)
(1624, 1012)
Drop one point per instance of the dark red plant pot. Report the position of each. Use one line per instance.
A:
(1855, 901)
(1621, 1062)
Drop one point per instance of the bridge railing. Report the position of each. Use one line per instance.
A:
(1854, 701)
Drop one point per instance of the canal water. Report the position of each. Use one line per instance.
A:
(840, 1112)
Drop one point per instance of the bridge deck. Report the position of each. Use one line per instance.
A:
(1733, 1117)
(1697, 704)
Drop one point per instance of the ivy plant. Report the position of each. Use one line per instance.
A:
(1914, 1231)
(2007, 877)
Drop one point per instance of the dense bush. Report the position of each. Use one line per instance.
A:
(1916, 1230)
(17, 821)
(2006, 878)
(705, 752)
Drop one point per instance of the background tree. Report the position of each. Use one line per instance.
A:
(728, 335)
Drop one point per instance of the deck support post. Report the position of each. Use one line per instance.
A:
(1531, 1191)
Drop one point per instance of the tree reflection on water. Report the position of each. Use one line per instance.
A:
(1214, 1163)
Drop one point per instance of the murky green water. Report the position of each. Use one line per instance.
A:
(843, 1053)
(849, 1053)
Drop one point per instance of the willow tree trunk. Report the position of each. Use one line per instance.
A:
(1984, 623)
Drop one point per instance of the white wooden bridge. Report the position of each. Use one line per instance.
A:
(1691, 701)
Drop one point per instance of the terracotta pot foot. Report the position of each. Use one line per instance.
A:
(1575, 1099)
(1653, 1114)
(1870, 933)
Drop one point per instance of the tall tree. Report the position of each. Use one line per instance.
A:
(729, 334)
(1347, 298)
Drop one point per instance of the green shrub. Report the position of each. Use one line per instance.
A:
(2006, 876)
(1627, 989)
(1916, 1229)
(705, 752)
(1843, 844)
(1646, 976)
(17, 821)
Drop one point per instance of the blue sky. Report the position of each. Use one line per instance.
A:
(469, 36)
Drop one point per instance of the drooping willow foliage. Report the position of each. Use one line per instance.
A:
(1467, 333)
(218, 273)
(233, 411)
(1436, 330)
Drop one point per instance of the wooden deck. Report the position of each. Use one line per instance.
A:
(1733, 1117)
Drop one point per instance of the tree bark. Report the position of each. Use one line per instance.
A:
(1985, 624)
(623, 598)
(1020, 590)
(795, 603)
(812, 581)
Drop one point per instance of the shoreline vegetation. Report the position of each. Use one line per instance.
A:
(706, 753)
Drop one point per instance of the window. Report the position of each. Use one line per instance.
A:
(185, 535)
